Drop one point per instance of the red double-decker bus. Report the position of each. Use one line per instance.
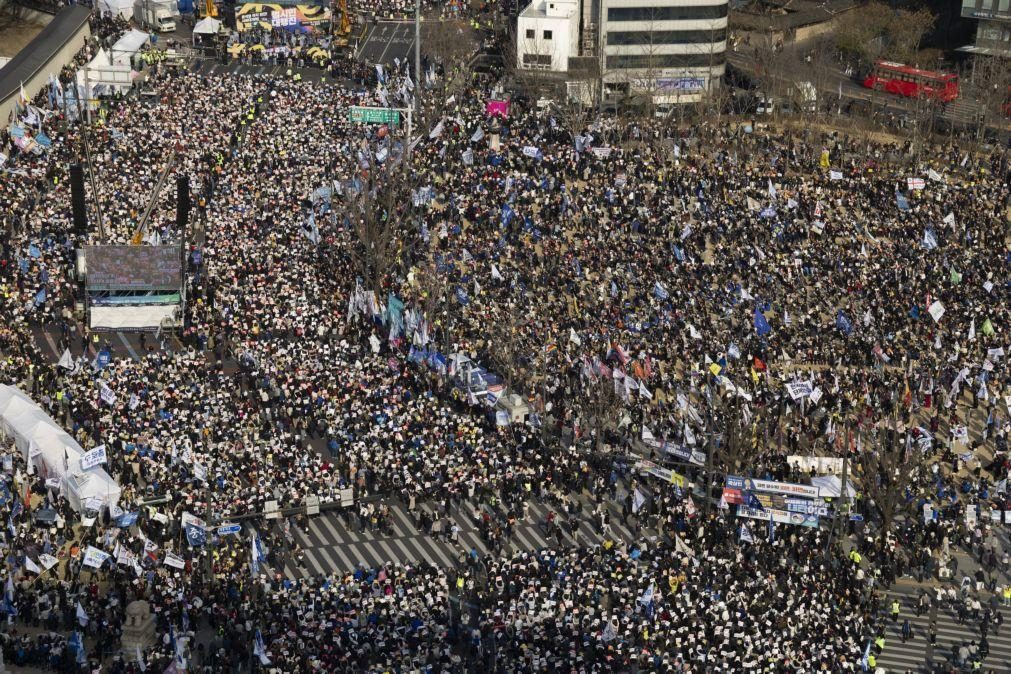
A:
(903, 80)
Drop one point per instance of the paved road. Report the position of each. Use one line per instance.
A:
(388, 40)
(331, 544)
(916, 654)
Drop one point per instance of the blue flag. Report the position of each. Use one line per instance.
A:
(195, 535)
(660, 292)
(843, 323)
(901, 201)
(762, 326)
(461, 296)
(752, 501)
(507, 215)
(929, 239)
(126, 520)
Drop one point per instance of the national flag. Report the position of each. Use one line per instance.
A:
(746, 535)
(82, 616)
(929, 239)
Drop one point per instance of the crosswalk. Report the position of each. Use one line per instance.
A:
(916, 656)
(331, 545)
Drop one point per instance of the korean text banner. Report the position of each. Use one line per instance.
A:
(305, 18)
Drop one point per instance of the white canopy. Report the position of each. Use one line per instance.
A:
(52, 451)
(128, 45)
(123, 8)
(830, 486)
(207, 26)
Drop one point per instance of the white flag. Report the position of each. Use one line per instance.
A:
(94, 557)
(496, 275)
(574, 338)
(94, 458)
(437, 131)
(48, 561)
(82, 615)
(32, 566)
(66, 360)
(972, 330)
(175, 561)
(936, 310)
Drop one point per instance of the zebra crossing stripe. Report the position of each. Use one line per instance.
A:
(324, 555)
(302, 538)
(406, 555)
(402, 524)
(314, 533)
(311, 558)
(325, 522)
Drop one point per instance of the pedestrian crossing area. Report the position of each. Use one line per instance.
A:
(333, 542)
(916, 655)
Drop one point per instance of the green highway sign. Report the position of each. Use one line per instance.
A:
(374, 115)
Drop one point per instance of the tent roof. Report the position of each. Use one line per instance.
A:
(130, 43)
(207, 26)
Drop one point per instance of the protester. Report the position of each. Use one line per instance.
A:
(639, 286)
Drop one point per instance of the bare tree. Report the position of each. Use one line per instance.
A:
(888, 465)
(599, 408)
(877, 31)
(379, 215)
(990, 82)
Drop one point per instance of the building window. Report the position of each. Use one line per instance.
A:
(667, 13)
(547, 35)
(531, 33)
(661, 37)
(537, 61)
(652, 61)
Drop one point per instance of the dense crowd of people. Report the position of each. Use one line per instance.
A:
(644, 288)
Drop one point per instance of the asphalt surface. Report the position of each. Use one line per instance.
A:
(385, 41)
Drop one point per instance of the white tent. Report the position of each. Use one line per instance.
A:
(207, 26)
(128, 45)
(52, 451)
(830, 486)
(123, 8)
(92, 489)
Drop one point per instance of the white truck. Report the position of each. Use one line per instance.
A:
(157, 15)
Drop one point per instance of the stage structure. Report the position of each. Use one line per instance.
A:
(134, 287)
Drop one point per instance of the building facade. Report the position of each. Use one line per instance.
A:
(547, 35)
(672, 51)
(993, 32)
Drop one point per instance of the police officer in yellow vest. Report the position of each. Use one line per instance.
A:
(895, 610)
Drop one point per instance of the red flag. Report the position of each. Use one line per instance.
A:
(758, 364)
